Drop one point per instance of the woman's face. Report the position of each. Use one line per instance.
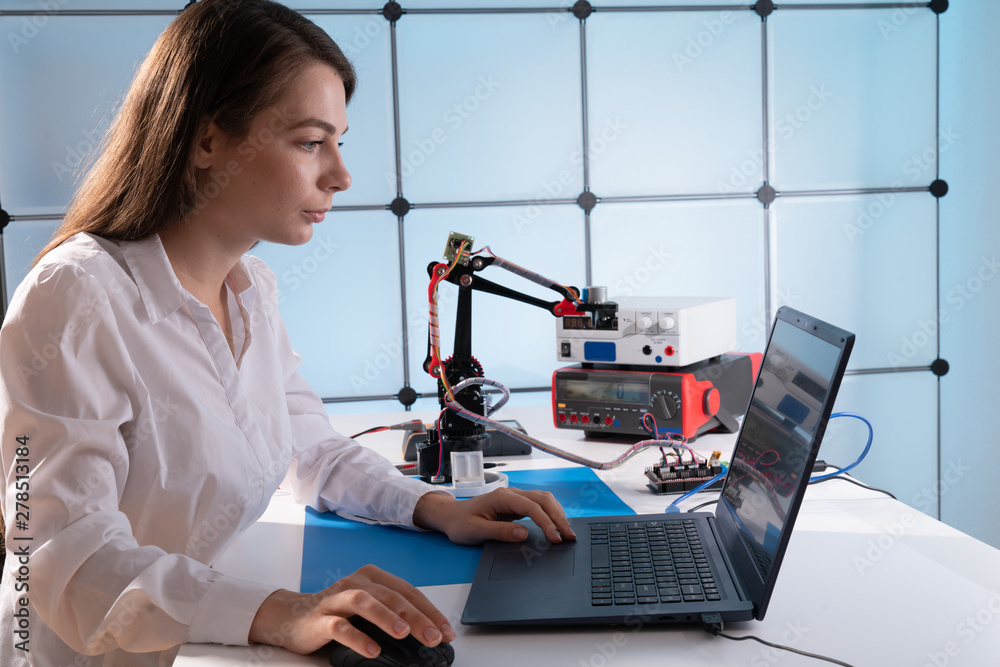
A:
(278, 181)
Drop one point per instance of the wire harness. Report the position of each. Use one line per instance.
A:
(538, 444)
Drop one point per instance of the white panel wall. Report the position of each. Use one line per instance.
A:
(970, 285)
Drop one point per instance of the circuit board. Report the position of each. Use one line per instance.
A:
(453, 245)
(663, 479)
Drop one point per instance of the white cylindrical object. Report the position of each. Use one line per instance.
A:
(595, 294)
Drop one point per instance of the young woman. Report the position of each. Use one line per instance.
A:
(149, 393)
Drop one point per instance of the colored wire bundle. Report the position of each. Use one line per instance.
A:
(654, 431)
(436, 368)
(538, 444)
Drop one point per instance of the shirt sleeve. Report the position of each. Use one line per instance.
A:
(67, 390)
(329, 471)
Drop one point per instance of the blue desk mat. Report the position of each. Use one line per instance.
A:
(334, 547)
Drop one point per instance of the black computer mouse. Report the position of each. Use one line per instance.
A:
(405, 652)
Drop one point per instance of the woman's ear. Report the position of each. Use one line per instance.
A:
(208, 148)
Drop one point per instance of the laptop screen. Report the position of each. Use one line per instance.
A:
(773, 452)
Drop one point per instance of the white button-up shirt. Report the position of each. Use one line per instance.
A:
(140, 447)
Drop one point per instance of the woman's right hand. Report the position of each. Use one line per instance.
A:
(303, 623)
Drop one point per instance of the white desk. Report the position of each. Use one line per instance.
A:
(866, 580)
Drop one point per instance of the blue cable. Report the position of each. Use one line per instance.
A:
(868, 445)
(672, 507)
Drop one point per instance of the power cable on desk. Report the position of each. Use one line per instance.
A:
(818, 481)
(704, 504)
(713, 626)
(854, 481)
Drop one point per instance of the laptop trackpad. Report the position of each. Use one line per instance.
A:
(518, 565)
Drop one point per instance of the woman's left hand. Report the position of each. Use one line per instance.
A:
(490, 516)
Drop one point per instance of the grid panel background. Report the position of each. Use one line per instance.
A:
(684, 120)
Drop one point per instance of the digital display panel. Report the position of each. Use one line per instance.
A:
(778, 431)
(618, 391)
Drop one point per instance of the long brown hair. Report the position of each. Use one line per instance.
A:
(221, 61)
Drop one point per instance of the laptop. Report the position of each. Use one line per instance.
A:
(677, 567)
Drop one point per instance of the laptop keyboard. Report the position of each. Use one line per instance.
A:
(649, 562)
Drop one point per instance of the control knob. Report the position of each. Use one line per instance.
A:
(664, 405)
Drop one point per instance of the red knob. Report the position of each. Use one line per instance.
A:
(712, 402)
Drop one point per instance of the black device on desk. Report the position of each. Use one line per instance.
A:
(680, 568)
(405, 652)
(500, 443)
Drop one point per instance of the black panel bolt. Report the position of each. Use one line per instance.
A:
(407, 396)
(400, 206)
(939, 6)
(766, 194)
(939, 188)
(587, 201)
(4, 219)
(392, 11)
(764, 8)
(582, 9)
(939, 367)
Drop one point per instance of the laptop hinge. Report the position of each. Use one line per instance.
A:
(734, 574)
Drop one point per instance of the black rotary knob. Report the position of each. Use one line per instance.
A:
(664, 406)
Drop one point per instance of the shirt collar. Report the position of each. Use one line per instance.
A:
(241, 284)
(162, 293)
